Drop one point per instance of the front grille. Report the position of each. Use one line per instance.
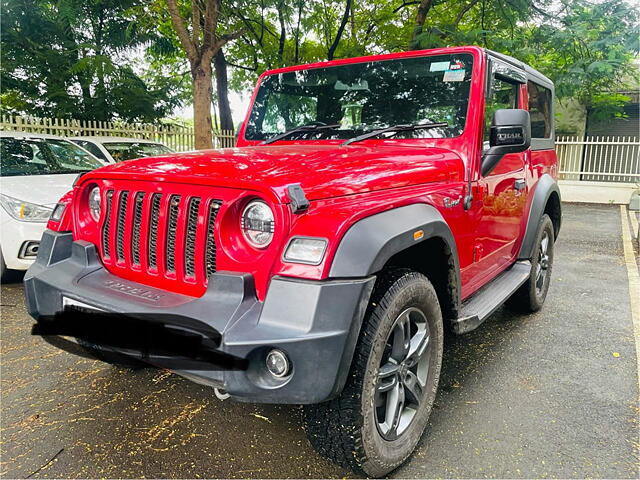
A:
(155, 228)
(172, 225)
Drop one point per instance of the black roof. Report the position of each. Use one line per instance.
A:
(530, 71)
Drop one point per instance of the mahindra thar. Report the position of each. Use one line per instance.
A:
(369, 204)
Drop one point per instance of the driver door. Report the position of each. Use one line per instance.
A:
(504, 195)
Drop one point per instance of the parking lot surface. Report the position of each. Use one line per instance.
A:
(554, 394)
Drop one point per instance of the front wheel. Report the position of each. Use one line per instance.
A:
(378, 419)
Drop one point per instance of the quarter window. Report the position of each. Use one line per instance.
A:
(539, 110)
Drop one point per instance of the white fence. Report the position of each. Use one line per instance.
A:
(599, 159)
(177, 137)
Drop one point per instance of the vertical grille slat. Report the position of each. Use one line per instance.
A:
(190, 237)
(106, 229)
(153, 229)
(172, 226)
(137, 223)
(122, 214)
(210, 244)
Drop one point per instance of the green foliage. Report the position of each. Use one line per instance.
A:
(70, 59)
(73, 58)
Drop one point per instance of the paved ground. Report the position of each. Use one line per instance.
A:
(548, 395)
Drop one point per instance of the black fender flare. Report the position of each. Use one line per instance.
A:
(545, 187)
(372, 241)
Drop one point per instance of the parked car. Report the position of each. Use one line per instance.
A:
(320, 261)
(119, 149)
(35, 170)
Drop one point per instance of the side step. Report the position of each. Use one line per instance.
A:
(483, 303)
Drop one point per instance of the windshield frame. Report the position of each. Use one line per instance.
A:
(475, 96)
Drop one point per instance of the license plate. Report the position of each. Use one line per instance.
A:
(66, 301)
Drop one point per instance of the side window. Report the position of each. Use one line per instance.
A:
(540, 102)
(503, 95)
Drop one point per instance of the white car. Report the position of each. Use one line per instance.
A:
(119, 149)
(35, 171)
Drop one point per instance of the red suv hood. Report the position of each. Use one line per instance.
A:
(324, 171)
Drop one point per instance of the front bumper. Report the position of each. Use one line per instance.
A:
(315, 322)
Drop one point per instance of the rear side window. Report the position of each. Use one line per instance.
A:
(92, 147)
(540, 102)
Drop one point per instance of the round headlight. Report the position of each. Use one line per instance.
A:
(94, 203)
(258, 224)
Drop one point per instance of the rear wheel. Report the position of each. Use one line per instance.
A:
(531, 295)
(378, 419)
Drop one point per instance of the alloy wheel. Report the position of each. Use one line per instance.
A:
(402, 375)
(542, 267)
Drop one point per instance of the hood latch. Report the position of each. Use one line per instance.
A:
(299, 202)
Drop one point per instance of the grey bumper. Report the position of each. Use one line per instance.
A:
(315, 322)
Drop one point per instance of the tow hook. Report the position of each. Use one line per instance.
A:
(221, 394)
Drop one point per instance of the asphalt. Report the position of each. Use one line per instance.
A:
(554, 394)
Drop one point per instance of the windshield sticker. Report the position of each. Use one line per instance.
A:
(457, 65)
(454, 75)
(439, 66)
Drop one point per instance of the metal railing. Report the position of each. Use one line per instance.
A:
(599, 159)
(177, 137)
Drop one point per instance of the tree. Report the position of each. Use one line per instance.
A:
(200, 45)
(69, 59)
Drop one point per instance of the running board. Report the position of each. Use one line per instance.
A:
(483, 303)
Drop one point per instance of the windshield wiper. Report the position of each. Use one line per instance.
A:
(395, 128)
(302, 128)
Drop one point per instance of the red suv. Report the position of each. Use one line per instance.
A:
(370, 203)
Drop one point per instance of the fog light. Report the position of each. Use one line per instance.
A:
(277, 363)
(29, 249)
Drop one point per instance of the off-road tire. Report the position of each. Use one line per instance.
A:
(345, 429)
(528, 298)
(110, 357)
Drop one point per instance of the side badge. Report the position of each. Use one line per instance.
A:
(448, 203)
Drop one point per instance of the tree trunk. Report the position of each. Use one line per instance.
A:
(421, 17)
(202, 96)
(222, 89)
(336, 41)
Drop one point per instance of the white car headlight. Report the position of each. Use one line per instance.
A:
(257, 224)
(25, 211)
(305, 250)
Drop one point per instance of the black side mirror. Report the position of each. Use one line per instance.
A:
(510, 133)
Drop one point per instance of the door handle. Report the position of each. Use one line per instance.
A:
(519, 184)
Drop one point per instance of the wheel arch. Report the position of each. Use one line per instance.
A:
(414, 236)
(546, 200)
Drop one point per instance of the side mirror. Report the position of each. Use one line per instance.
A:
(510, 133)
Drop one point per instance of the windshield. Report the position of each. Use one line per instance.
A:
(37, 156)
(122, 151)
(366, 96)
